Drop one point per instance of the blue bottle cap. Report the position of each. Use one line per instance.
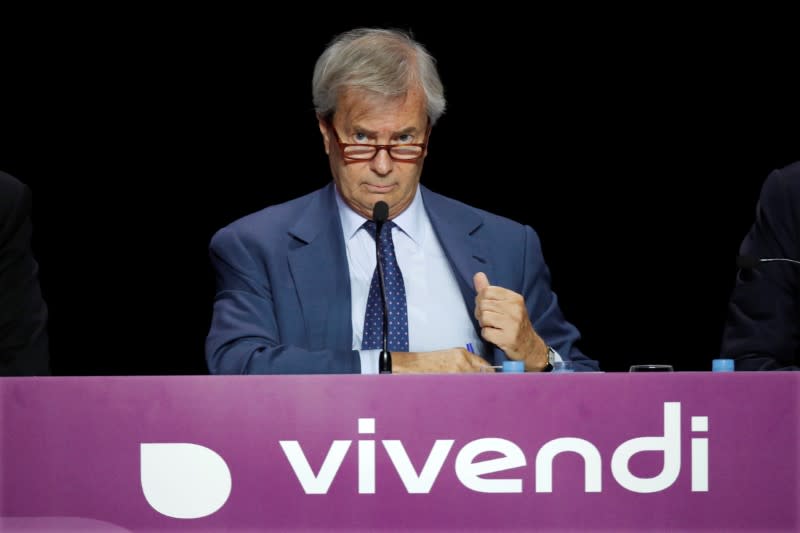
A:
(514, 366)
(722, 365)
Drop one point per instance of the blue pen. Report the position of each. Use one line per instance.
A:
(470, 349)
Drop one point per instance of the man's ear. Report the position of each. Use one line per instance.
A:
(325, 129)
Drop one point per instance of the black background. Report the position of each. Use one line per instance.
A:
(634, 143)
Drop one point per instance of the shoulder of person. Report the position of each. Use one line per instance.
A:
(276, 218)
(11, 186)
(783, 185)
(492, 219)
(12, 193)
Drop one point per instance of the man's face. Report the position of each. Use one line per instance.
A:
(362, 118)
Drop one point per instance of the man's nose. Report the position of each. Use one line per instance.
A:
(382, 163)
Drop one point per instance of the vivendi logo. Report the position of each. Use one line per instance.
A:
(183, 480)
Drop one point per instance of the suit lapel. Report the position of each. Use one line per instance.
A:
(458, 230)
(318, 263)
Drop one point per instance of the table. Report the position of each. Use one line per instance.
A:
(548, 452)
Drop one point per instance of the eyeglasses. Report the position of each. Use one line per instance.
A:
(407, 153)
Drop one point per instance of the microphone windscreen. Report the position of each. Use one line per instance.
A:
(747, 262)
(380, 212)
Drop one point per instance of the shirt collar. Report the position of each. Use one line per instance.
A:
(409, 221)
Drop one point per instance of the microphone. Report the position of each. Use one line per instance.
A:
(748, 262)
(380, 212)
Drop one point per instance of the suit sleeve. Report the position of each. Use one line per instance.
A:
(543, 308)
(245, 335)
(23, 312)
(762, 330)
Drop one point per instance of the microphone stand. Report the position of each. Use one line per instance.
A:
(380, 213)
(385, 359)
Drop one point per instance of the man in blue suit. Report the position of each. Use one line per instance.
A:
(296, 282)
(762, 331)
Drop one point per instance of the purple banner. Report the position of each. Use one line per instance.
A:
(557, 452)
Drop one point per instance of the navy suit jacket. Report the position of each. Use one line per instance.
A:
(762, 331)
(282, 304)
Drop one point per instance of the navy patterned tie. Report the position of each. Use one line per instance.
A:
(395, 297)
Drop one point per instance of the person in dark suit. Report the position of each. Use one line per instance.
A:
(297, 282)
(23, 312)
(762, 331)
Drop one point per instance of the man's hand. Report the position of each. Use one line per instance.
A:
(438, 362)
(504, 322)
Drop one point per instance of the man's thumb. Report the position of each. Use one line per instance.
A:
(480, 281)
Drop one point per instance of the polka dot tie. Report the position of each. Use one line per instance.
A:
(395, 297)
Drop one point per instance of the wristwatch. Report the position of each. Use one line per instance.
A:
(551, 358)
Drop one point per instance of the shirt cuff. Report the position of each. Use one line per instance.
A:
(369, 361)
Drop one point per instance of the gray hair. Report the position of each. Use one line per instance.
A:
(380, 61)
